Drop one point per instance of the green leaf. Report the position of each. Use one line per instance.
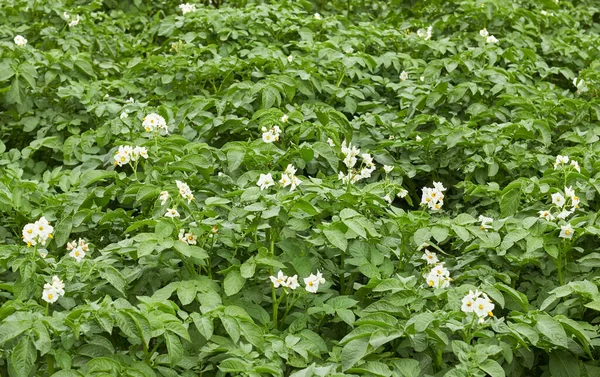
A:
(336, 237)
(509, 202)
(174, 347)
(563, 364)
(492, 368)
(552, 330)
(23, 358)
(233, 282)
(11, 329)
(353, 351)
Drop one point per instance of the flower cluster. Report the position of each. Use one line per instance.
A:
(184, 190)
(290, 282)
(354, 175)
(74, 21)
(439, 276)
(126, 154)
(187, 8)
(20, 41)
(488, 38)
(561, 203)
(425, 33)
(271, 135)
(155, 123)
(562, 161)
(37, 232)
(77, 249)
(53, 291)
(289, 178)
(189, 238)
(485, 222)
(433, 197)
(478, 303)
(311, 283)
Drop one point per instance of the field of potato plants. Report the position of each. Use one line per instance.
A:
(299, 188)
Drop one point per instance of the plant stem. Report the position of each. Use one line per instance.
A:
(342, 274)
(50, 362)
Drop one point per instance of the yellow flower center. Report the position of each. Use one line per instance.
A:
(310, 283)
(480, 306)
(567, 232)
(29, 231)
(469, 304)
(50, 296)
(77, 253)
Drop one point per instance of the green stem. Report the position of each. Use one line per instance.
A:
(50, 362)
(342, 272)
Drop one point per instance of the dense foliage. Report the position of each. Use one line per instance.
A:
(244, 235)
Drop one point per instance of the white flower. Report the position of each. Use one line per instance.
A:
(350, 161)
(78, 254)
(575, 164)
(172, 212)
(265, 181)
(155, 123)
(485, 222)
(483, 32)
(290, 170)
(403, 76)
(184, 191)
(312, 283)
(330, 142)
(130, 100)
(564, 214)
(37, 232)
(123, 155)
(124, 114)
(429, 257)
(558, 199)
(292, 282)
(566, 231)
(433, 198)
(483, 307)
(295, 183)
(272, 134)
(546, 215)
(290, 58)
(425, 34)
(580, 84)
(164, 196)
(388, 169)
(138, 152)
(569, 191)
(560, 160)
(187, 8)
(285, 118)
(422, 78)
(438, 277)
(58, 285)
(74, 22)
(491, 39)
(402, 193)
(49, 294)
(388, 199)
(280, 280)
(20, 41)
(320, 277)
(65, 15)
(317, 16)
(189, 238)
(392, 137)
(418, 138)
(285, 180)
(468, 302)
(439, 186)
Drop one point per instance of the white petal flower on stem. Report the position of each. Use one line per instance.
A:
(155, 123)
(58, 285)
(483, 307)
(560, 160)
(388, 199)
(566, 231)
(172, 212)
(438, 277)
(575, 164)
(20, 41)
(279, 280)
(402, 193)
(285, 118)
(185, 191)
(564, 214)
(49, 294)
(429, 257)
(320, 277)
(290, 58)
(558, 199)
(74, 22)
(265, 181)
(295, 183)
(468, 302)
(317, 16)
(187, 8)
(388, 169)
(311, 283)
(483, 32)
(485, 222)
(491, 39)
(285, 180)
(330, 142)
(164, 196)
(546, 215)
(403, 76)
(290, 170)
(77, 253)
(292, 282)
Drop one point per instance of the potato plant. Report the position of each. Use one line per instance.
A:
(299, 188)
